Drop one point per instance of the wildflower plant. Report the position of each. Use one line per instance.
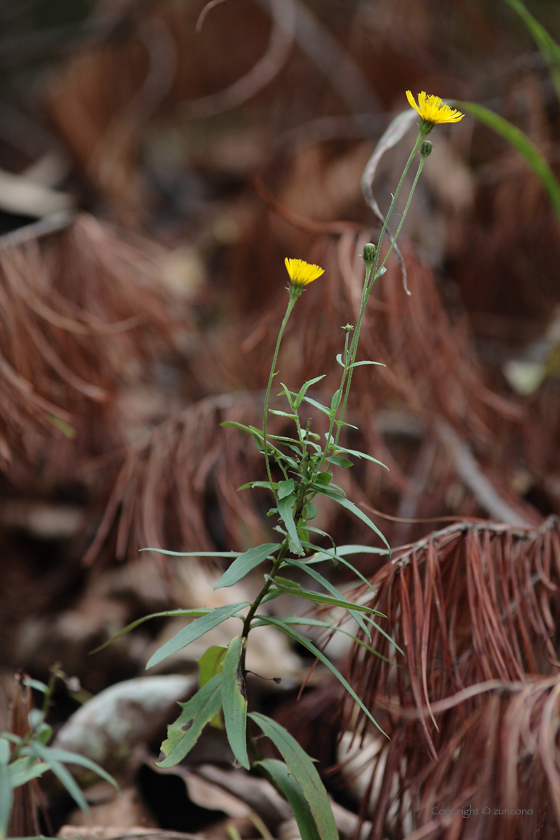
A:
(26, 757)
(298, 469)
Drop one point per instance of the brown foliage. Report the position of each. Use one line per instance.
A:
(81, 315)
(472, 709)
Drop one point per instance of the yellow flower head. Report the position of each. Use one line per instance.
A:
(433, 110)
(302, 273)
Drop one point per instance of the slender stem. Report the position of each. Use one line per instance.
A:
(375, 269)
(398, 230)
(291, 304)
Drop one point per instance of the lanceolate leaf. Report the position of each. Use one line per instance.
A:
(302, 769)
(134, 624)
(289, 631)
(24, 769)
(53, 754)
(350, 506)
(183, 734)
(193, 631)
(285, 509)
(60, 772)
(281, 776)
(234, 701)
(6, 799)
(358, 454)
(245, 563)
(330, 588)
(319, 598)
(304, 387)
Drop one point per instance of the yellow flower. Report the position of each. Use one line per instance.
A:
(433, 110)
(302, 273)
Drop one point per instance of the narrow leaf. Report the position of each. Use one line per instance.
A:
(183, 734)
(234, 701)
(6, 799)
(245, 563)
(351, 507)
(52, 754)
(24, 769)
(289, 631)
(134, 624)
(193, 631)
(318, 405)
(326, 584)
(303, 389)
(302, 769)
(319, 597)
(359, 454)
(287, 515)
(210, 664)
(359, 364)
(62, 774)
(281, 776)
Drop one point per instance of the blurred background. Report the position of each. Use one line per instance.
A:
(158, 160)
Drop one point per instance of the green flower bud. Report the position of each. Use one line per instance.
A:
(368, 254)
(426, 148)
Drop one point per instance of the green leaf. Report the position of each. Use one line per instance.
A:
(352, 508)
(282, 413)
(301, 767)
(303, 390)
(286, 513)
(286, 488)
(192, 553)
(340, 462)
(337, 555)
(252, 484)
(36, 684)
(289, 631)
(24, 769)
(283, 779)
(183, 734)
(315, 622)
(323, 478)
(53, 754)
(63, 775)
(234, 700)
(521, 143)
(359, 454)
(5, 751)
(293, 588)
(318, 405)
(359, 364)
(134, 624)
(246, 562)
(326, 584)
(548, 47)
(335, 402)
(210, 664)
(6, 799)
(193, 631)
(339, 360)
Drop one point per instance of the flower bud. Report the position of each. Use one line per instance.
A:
(368, 254)
(426, 148)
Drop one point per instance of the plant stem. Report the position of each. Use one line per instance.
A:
(291, 304)
(375, 269)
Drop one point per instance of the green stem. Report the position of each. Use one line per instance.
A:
(291, 304)
(375, 268)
